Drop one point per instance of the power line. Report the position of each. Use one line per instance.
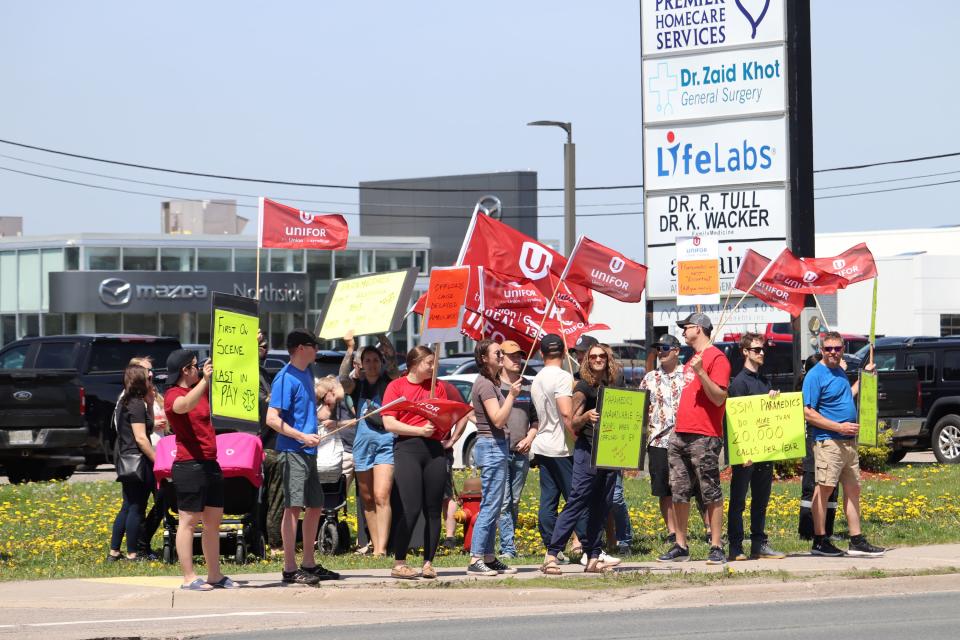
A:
(887, 162)
(445, 216)
(863, 193)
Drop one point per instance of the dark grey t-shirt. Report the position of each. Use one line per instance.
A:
(483, 390)
(522, 414)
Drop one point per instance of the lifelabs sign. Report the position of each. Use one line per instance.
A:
(715, 136)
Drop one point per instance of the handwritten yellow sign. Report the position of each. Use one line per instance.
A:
(236, 374)
(765, 429)
(621, 432)
(366, 304)
(868, 409)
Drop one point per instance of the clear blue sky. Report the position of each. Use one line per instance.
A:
(339, 92)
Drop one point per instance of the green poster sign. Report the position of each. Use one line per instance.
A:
(867, 414)
(619, 440)
(765, 429)
(236, 374)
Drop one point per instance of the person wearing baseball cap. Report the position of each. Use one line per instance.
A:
(694, 449)
(522, 424)
(293, 415)
(196, 475)
(552, 393)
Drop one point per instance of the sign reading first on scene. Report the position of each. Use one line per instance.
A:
(682, 26)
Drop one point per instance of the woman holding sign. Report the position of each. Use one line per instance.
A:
(591, 488)
(492, 452)
(420, 466)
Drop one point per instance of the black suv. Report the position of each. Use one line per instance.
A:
(937, 363)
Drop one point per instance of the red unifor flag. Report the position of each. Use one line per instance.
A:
(283, 227)
(790, 272)
(752, 280)
(853, 265)
(525, 326)
(440, 412)
(602, 269)
(500, 248)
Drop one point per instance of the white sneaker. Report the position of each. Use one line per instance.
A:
(610, 561)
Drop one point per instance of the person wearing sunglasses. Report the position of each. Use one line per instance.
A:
(757, 478)
(831, 412)
(492, 453)
(694, 450)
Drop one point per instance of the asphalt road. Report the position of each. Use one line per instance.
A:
(931, 616)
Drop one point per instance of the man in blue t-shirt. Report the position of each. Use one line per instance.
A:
(830, 411)
(293, 415)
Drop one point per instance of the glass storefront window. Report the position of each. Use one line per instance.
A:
(28, 283)
(143, 323)
(392, 260)
(318, 274)
(51, 260)
(420, 258)
(278, 329)
(71, 324)
(102, 258)
(286, 260)
(106, 323)
(346, 263)
(170, 324)
(245, 260)
(52, 324)
(8, 328)
(8, 284)
(137, 259)
(213, 259)
(176, 260)
(203, 328)
(72, 258)
(29, 325)
(366, 261)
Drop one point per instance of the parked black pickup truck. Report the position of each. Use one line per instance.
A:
(937, 363)
(57, 395)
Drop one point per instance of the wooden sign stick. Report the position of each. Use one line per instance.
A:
(349, 423)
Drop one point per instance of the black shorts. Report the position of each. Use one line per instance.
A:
(199, 484)
(659, 472)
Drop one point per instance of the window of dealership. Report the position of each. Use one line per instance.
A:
(160, 284)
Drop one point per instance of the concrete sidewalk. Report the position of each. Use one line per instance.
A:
(155, 606)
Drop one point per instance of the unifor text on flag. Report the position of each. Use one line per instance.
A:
(283, 227)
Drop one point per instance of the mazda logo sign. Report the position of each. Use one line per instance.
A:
(115, 292)
(490, 205)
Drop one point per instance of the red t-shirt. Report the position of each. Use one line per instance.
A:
(414, 393)
(697, 413)
(196, 439)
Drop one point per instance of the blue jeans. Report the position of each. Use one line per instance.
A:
(556, 475)
(493, 458)
(591, 495)
(517, 468)
(621, 514)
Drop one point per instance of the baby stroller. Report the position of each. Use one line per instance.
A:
(333, 535)
(241, 458)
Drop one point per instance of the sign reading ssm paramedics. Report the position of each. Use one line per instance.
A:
(705, 155)
(679, 26)
(366, 305)
(740, 219)
(721, 84)
(765, 429)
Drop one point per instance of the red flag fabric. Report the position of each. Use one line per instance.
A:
(853, 265)
(602, 269)
(790, 272)
(749, 281)
(515, 256)
(283, 227)
(440, 412)
(523, 326)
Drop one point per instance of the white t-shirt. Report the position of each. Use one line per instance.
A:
(552, 439)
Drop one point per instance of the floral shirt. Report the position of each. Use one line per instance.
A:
(664, 391)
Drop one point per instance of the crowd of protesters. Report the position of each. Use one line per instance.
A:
(402, 463)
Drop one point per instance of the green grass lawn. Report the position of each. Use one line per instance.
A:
(60, 530)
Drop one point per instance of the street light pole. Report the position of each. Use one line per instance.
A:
(569, 182)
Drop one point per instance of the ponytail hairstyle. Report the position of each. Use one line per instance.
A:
(416, 355)
(479, 353)
(136, 384)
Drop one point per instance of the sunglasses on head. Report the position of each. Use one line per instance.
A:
(831, 349)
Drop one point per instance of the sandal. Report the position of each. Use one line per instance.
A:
(429, 573)
(404, 572)
(599, 567)
(197, 585)
(365, 550)
(550, 569)
(224, 583)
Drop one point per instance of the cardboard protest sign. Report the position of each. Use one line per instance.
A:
(698, 270)
(620, 436)
(446, 294)
(867, 410)
(368, 304)
(236, 366)
(765, 429)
